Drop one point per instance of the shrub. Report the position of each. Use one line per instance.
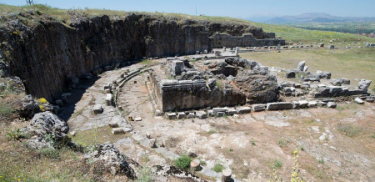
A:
(183, 162)
(145, 175)
(277, 164)
(50, 153)
(218, 168)
(14, 134)
(349, 129)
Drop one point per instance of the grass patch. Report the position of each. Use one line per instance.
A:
(344, 61)
(95, 136)
(350, 130)
(218, 168)
(145, 175)
(277, 164)
(321, 161)
(15, 135)
(212, 131)
(183, 162)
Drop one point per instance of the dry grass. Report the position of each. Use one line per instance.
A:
(352, 63)
(19, 163)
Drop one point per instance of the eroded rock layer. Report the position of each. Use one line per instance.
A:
(48, 55)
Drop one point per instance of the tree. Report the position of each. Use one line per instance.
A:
(30, 2)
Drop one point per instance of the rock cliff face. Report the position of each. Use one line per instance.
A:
(46, 54)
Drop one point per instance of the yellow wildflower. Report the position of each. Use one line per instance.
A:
(295, 152)
(294, 175)
(43, 100)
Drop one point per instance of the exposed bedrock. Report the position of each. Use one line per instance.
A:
(49, 55)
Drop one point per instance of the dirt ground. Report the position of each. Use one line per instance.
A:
(333, 144)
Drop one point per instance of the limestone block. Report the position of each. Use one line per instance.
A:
(98, 109)
(258, 107)
(279, 106)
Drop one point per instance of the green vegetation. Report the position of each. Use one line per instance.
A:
(183, 162)
(5, 110)
(50, 153)
(296, 35)
(14, 134)
(145, 175)
(218, 168)
(345, 27)
(277, 164)
(350, 130)
(342, 62)
(321, 161)
(64, 15)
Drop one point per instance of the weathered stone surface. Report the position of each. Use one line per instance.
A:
(113, 124)
(331, 105)
(47, 123)
(313, 104)
(358, 100)
(345, 81)
(110, 39)
(195, 165)
(258, 88)
(231, 112)
(201, 114)
(290, 74)
(194, 94)
(171, 115)
(287, 84)
(301, 65)
(218, 109)
(303, 104)
(226, 175)
(97, 109)
(177, 67)
(29, 107)
(116, 131)
(258, 107)
(336, 82)
(181, 115)
(211, 83)
(109, 100)
(190, 115)
(370, 99)
(311, 78)
(113, 159)
(323, 74)
(364, 84)
(243, 110)
(279, 106)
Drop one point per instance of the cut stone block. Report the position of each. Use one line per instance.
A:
(181, 115)
(98, 109)
(331, 105)
(118, 131)
(279, 106)
(243, 110)
(201, 114)
(171, 115)
(259, 107)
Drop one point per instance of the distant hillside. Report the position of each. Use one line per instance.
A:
(317, 18)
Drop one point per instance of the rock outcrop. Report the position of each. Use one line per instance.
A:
(113, 159)
(49, 54)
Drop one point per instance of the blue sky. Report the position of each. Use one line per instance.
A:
(233, 8)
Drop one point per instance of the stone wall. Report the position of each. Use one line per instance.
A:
(174, 95)
(246, 40)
